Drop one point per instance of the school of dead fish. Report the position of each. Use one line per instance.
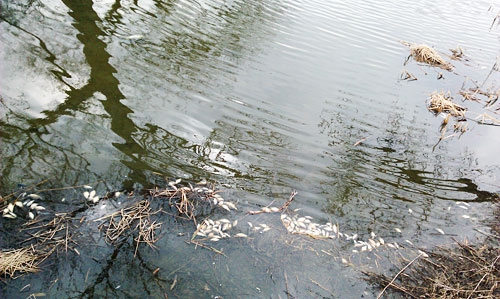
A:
(25, 203)
(215, 230)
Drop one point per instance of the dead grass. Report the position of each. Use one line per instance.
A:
(463, 271)
(441, 102)
(135, 220)
(426, 54)
(189, 201)
(15, 262)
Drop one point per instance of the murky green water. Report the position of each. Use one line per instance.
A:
(262, 97)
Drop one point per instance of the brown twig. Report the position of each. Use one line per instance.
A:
(395, 277)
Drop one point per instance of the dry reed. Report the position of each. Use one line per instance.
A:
(134, 219)
(464, 271)
(15, 262)
(426, 54)
(189, 201)
(441, 102)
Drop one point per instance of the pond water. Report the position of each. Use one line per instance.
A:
(261, 97)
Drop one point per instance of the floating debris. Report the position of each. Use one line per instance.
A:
(34, 196)
(426, 54)
(441, 102)
(192, 201)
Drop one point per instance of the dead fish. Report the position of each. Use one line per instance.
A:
(440, 231)
(397, 230)
(266, 209)
(12, 214)
(31, 215)
(28, 202)
(224, 220)
(34, 196)
(9, 216)
(225, 207)
(410, 211)
(215, 239)
(92, 194)
(86, 194)
(231, 205)
(87, 187)
(275, 209)
(19, 204)
(6, 211)
(117, 194)
(33, 206)
(10, 207)
(39, 208)
(423, 253)
(235, 222)
(240, 235)
(466, 216)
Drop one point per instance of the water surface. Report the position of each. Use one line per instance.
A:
(262, 97)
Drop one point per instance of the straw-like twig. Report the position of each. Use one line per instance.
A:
(441, 102)
(17, 261)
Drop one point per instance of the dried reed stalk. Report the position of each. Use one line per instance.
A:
(134, 219)
(441, 102)
(17, 261)
(463, 271)
(426, 54)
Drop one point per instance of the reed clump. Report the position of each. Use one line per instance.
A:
(442, 103)
(425, 54)
(15, 262)
(463, 271)
(134, 220)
